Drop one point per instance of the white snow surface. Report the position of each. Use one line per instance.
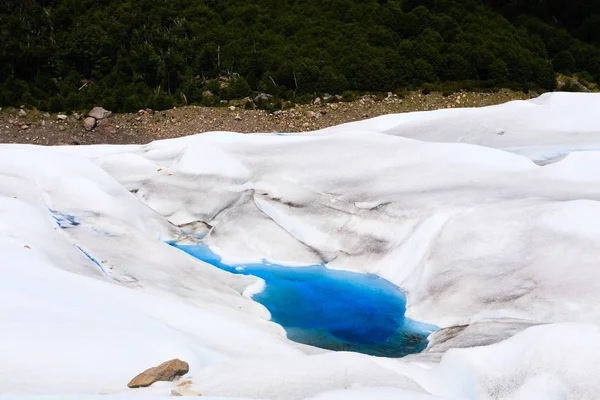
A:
(448, 205)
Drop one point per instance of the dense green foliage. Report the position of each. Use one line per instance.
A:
(124, 55)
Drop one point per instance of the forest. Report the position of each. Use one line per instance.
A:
(66, 55)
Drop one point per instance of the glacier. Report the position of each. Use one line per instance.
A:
(487, 219)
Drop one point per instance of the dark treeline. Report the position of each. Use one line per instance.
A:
(125, 55)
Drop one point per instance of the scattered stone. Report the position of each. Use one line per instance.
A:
(46, 114)
(167, 371)
(184, 391)
(61, 128)
(77, 116)
(99, 113)
(61, 117)
(89, 123)
(24, 127)
(149, 111)
(310, 114)
(22, 113)
(238, 117)
(327, 97)
(317, 101)
(22, 106)
(232, 108)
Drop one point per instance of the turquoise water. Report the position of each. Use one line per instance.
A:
(336, 310)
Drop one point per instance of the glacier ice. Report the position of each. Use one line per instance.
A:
(499, 251)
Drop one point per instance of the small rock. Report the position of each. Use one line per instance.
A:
(61, 128)
(149, 111)
(46, 114)
(141, 112)
(167, 371)
(310, 114)
(24, 127)
(317, 100)
(238, 117)
(232, 108)
(77, 116)
(22, 106)
(61, 117)
(99, 113)
(184, 391)
(89, 123)
(22, 113)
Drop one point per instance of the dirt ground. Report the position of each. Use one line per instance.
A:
(35, 127)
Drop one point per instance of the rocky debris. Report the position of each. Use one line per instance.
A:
(46, 114)
(99, 113)
(238, 117)
(317, 101)
(167, 371)
(24, 127)
(310, 114)
(89, 123)
(77, 116)
(22, 113)
(189, 120)
(184, 391)
(61, 117)
(232, 108)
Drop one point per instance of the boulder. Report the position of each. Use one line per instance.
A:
(184, 391)
(89, 123)
(99, 113)
(167, 371)
(261, 97)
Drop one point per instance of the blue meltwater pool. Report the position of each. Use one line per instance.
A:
(336, 310)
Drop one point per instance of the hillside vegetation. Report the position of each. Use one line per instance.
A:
(72, 54)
